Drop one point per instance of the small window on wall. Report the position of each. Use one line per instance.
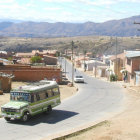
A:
(128, 61)
(55, 91)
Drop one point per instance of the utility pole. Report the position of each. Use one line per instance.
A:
(72, 43)
(116, 56)
(84, 61)
(65, 60)
(95, 67)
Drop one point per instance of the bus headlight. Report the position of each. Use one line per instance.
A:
(2, 109)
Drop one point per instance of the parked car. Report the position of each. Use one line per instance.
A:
(78, 79)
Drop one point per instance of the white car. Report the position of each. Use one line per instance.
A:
(78, 79)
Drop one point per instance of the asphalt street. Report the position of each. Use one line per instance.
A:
(95, 99)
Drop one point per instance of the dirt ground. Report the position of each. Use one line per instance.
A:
(124, 126)
(65, 92)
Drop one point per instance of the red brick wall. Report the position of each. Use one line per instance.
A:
(32, 73)
(135, 64)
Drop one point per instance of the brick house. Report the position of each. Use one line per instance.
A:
(50, 60)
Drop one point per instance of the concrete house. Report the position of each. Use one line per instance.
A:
(117, 64)
(132, 66)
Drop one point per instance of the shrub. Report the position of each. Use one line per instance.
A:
(36, 59)
(113, 77)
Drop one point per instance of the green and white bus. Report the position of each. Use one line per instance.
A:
(31, 99)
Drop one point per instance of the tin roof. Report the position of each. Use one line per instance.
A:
(133, 54)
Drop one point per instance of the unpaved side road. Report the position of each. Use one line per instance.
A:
(124, 126)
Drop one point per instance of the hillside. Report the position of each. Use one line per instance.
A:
(94, 44)
(122, 28)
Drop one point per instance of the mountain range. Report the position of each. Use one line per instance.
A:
(122, 27)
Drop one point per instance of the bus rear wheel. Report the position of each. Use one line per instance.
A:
(49, 109)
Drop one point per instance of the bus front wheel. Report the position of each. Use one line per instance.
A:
(25, 117)
(7, 119)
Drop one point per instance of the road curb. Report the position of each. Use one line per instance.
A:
(75, 131)
(80, 131)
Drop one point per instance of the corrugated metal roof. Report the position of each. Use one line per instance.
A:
(5, 60)
(132, 53)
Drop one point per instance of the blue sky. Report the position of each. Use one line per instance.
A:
(68, 10)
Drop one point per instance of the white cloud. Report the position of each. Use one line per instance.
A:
(76, 11)
(60, 1)
(52, 8)
(6, 1)
(95, 2)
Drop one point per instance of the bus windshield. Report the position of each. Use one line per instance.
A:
(18, 96)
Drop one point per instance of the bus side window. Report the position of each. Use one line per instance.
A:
(37, 97)
(49, 91)
(32, 98)
(42, 95)
(46, 95)
(55, 91)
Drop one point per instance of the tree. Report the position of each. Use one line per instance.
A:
(36, 59)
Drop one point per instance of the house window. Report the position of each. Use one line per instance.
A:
(128, 61)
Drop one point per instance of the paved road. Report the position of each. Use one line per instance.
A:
(93, 101)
